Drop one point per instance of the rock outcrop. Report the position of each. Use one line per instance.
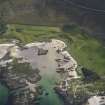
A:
(22, 87)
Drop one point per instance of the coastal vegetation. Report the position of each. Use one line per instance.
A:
(88, 51)
(21, 68)
(3, 26)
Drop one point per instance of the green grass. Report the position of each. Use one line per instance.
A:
(28, 34)
(98, 85)
(88, 51)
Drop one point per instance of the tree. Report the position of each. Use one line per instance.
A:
(3, 26)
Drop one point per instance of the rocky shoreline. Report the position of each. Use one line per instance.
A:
(20, 72)
(20, 89)
(73, 89)
(22, 85)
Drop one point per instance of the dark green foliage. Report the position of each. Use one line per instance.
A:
(18, 30)
(22, 68)
(3, 26)
(68, 28)
(90, 75)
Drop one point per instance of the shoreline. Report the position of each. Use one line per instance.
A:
(69, 64)
(15, 52)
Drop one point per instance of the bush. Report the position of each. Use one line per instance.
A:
(90, 75)
(18, 30)
(3, 26)
(69, 28)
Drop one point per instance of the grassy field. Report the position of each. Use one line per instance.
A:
(89, 52)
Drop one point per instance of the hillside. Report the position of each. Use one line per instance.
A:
(55, 12)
